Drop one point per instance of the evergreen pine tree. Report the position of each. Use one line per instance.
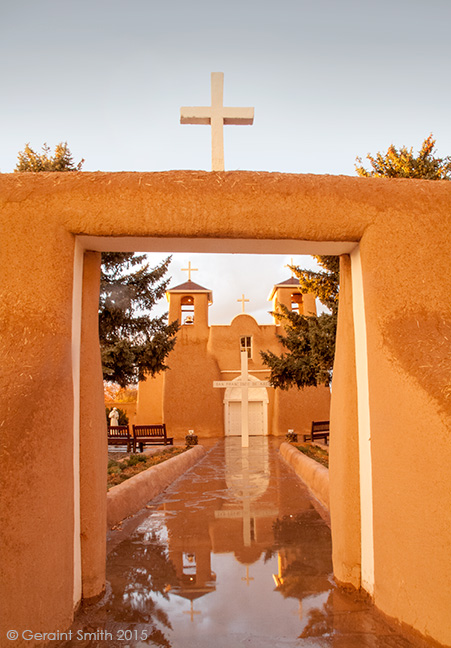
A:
(309, 340)
(132, 344)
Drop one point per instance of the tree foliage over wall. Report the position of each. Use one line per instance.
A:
(132, 343)
(31, 161)
(403, 163)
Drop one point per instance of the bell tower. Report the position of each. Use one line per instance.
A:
(188, 303)
(288, 293)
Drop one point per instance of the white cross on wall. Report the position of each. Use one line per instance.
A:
(217, 115)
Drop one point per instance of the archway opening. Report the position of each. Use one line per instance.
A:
(85, 243)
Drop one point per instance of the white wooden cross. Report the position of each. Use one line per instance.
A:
(244, 383)
(217, 115)
(242, 300)
(189, 270)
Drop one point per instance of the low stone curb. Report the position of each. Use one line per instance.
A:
(314, 475)
(129, 497)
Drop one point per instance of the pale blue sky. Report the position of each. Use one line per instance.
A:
(329, 81)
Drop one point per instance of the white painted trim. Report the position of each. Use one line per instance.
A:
(213, 246)
(363, 408)
(252, 371)
(77, 296)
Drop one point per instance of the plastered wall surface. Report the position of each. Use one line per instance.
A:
(36, 444)
(409, 360)
(404, 230)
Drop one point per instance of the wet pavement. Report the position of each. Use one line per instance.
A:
(233, 554)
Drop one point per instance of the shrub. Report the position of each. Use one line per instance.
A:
(135, 459)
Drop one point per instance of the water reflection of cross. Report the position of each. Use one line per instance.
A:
(247, 578)
(248, 518)
(192, 612)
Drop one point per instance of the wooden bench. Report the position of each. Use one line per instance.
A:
(144, 434)
(319, 431)
(120, 435)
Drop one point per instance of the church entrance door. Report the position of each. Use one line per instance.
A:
(256, 419)
(257, 413)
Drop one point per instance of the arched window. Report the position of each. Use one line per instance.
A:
(296, 303)
(187, 304)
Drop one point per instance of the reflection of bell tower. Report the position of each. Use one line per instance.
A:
(289, 294)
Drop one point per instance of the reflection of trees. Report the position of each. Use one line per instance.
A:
(304, 548)
(134, 589)
(139, 570)
(319, 623)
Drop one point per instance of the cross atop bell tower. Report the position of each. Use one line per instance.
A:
(189, 270)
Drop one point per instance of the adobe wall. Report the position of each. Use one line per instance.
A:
(182, 409)
(408, 313)
(36, 420)
(404, 229)
(149, 406)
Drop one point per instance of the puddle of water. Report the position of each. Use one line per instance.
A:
(233, 554)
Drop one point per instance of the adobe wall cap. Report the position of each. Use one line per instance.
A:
(244, 315)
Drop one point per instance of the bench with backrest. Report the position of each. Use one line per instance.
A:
(319, 431)
(150, 434)
(120, 435)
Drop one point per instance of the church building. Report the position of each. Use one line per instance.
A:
(185, 397)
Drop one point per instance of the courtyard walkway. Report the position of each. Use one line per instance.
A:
(233, 554)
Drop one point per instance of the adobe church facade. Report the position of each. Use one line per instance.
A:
(184, 396)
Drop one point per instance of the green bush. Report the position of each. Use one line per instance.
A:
(135, 459)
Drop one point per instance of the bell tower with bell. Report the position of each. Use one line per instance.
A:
(188, 303)
(288, 294)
